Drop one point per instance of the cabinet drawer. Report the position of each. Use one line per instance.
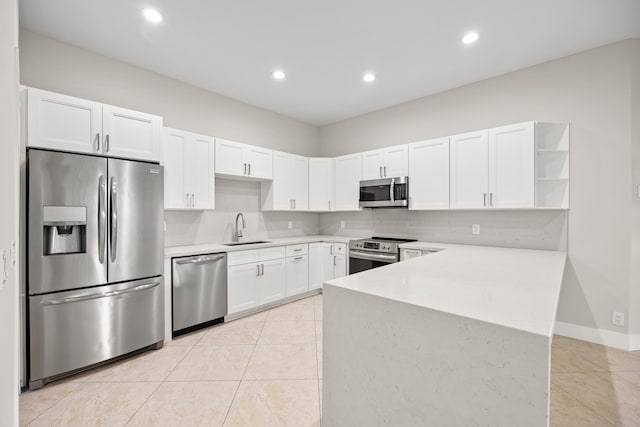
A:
(272, 253)
(243, 257)
(340, 248)
(297, 250)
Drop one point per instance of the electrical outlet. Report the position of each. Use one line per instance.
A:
(617, 318)
(342, 224)
(475, 229)
(290, 225)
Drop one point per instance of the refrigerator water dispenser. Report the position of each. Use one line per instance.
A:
(65, 229)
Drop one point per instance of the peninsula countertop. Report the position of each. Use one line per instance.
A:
(515, 288)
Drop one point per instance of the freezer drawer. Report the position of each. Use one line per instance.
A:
(199, 289)
(75, 329)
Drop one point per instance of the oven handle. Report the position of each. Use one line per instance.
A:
(373, 257)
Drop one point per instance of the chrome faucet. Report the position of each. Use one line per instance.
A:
(237, 234)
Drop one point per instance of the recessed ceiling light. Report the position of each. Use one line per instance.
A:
(369, 77)
(469, 38)
(279, 75)
(152, 15)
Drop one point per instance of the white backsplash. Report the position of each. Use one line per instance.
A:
(514, 229)
(188, 228)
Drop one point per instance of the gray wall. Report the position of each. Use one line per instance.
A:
(9, 143)
(59, 67)
(592, 91)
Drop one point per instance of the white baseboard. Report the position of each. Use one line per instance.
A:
(598, 336)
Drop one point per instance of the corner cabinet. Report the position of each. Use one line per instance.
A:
(327, 261)
(289, 189)
(347, 183)
(429, 174)
(235, 160)
(189, 161)
(321, 184)
(66, 123)
(493, 168)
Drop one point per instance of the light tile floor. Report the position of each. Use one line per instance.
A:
(266, 370)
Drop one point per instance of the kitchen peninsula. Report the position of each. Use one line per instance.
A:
(458, 337)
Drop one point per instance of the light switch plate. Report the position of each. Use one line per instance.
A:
(342, 224)
(617, 318)
(475, 229)
(290, 225)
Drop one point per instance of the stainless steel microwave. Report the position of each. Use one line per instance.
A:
(385, 193)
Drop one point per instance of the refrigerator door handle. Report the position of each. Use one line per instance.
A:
(113, 236)
(102, 218)
(99, 295)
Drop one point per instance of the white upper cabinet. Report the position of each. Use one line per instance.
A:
(62, 122)
(387, 162)
(494, 168)
(321, 184)
(429, 174)
(237, 160)
(511, 166)
(289, 189)
(469, 169)
(347, 184)
(131, 134)
(189, 170)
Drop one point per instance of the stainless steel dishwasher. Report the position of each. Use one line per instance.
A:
(199, 291)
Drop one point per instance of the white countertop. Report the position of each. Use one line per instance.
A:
(176, 251)
(515, 288)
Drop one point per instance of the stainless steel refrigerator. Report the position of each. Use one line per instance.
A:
(95, 258)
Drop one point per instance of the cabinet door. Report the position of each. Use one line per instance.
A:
(347, 185)
(242, 290)
(297, 280)
(511, 166)
(316, 263)
(131, 134)
(339, 266)
(372, 164)
(63, 122)
(321, 184)
(277, 194)
(300, 183)
(429, 174)
(469, 163)
(199, 171)
(230, 158)
(174, 146)
(271, 282)
(260, 161)
(396, 161)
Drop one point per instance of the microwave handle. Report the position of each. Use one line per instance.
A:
(392, 190)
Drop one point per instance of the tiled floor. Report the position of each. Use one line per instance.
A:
(266, 370)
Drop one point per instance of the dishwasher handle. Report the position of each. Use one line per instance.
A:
(200, 260)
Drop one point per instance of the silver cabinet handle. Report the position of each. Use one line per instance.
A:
(187, 202)
(102, 218)
(297, 250)
(257, 270)
(262, 269)
(331, 250)
(380, 171)
(5, 274)
(113, 236)
(410, 202)
(334, 260)
(245, 169)
(485, 199)
(298, 258)
(98, 142)
(99, 295)
(385, 171)
(193, 200)
(491, 199)
(294, 203)
(200, 260)
(106, 143)
(249, 169)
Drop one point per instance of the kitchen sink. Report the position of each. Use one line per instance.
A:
(255, 242)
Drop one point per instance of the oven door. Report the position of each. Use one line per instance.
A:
(361, 261)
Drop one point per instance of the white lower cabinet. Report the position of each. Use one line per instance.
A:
(271, 281)
(327, 261)
(297, 280)
(242, 287)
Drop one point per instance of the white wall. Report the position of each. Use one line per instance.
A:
(634, 285)
(59, 67)
(9, 141)
(592, 91)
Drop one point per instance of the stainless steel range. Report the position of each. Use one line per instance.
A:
(365, 254)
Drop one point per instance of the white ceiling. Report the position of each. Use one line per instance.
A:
(413, 46)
